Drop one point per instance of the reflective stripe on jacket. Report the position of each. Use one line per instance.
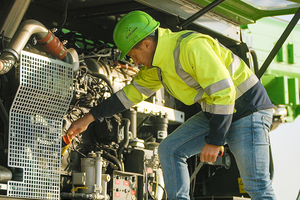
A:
(194, 67)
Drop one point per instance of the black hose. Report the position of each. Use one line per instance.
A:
(113, 159)
(125, 141)
(4, 114)
(142, 123)
(104, 78)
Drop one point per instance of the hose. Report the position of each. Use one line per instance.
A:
(4, 114)
(113, 159)
(125, 141)
(104, 78)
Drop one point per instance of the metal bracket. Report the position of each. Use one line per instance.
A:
(279, 43)
(199, 14)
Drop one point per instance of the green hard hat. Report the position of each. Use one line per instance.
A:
(131, 29)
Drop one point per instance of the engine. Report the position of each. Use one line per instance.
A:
(51, 78)
(113, 158)
(116, 158)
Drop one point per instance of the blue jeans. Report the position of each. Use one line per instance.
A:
(248, 140)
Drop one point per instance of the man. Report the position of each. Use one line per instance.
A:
(194, 67)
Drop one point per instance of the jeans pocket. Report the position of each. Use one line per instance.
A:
(267, 122)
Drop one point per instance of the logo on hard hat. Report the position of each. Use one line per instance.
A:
(130, 32)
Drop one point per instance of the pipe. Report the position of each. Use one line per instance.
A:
(65, 195)
(5, 174)
(98, 172)
(14, 17)
(46, 38)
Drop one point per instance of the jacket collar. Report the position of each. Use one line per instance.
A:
(163, 46)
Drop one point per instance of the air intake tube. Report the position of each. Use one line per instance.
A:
(45, 37)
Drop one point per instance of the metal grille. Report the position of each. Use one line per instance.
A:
(35, 130)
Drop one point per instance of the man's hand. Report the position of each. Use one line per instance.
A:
(209, 153)
(80, 125)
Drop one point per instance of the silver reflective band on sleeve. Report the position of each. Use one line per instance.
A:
(246, 85)
(159, 74)
(234, 64)
(217, 109)
(143, 90)
(124, 99)
(199, 95)
(218, 86)
(187, 78)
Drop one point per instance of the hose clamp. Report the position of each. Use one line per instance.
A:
(13, 52)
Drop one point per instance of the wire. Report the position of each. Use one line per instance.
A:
(164, 189)
(142, 123)
(64, 17)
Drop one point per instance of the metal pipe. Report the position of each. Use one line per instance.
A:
(98, 171)
(199, 14)
(5, 174)
(14, 17)
(65, 195)
(46, 38)
(26, 29)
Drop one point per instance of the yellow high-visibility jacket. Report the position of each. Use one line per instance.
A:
(194, 67)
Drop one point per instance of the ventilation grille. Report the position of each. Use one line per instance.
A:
(35, 129)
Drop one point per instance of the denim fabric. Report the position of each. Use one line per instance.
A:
(248, 140)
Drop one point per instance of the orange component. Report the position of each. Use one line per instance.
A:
(126, 183)
(133, 192)
(125, 66)
(117, 194)
(66, 139)
(221, 152)
(53, 46)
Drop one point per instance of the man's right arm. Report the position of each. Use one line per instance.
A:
(107, 108)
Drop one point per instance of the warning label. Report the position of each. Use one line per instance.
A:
(241, 186)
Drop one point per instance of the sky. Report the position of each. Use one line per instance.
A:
(285, 144)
